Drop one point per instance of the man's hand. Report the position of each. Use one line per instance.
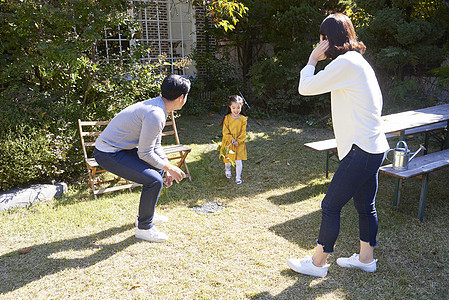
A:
(168, 180)
(174, 172)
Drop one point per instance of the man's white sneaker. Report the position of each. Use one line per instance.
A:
(305, 266)
(157, 219)
(152, 235)
(354, 262)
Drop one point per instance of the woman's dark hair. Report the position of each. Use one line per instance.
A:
(174, 86)
(236, 99)
(339, 31)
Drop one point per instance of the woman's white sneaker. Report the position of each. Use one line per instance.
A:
(151, 235)
(305, 266)
(354, 262)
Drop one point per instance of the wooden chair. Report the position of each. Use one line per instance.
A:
(100, 180)
(175, 151)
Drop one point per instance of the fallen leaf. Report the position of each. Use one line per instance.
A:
(25, 250)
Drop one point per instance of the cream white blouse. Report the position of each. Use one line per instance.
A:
(356, 101)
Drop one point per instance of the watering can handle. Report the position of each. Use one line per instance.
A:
(403, 142)
(386, 155)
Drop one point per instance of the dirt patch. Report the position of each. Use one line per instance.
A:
(208, 207)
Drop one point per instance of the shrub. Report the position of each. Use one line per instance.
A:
(275, 85)
(211, 91)
(36, 155)
(51, 75)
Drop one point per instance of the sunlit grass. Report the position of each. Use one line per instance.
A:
(83, 248)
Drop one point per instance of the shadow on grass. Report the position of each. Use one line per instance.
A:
(17, 270)
(301, 289)
(305, 192)
(302, 231)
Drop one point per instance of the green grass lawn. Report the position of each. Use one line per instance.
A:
(83, 248)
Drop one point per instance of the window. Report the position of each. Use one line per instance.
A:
(167, 27)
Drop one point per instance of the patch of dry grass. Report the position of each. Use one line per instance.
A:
(85, 248)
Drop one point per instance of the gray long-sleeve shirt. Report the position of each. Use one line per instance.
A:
(139, 125)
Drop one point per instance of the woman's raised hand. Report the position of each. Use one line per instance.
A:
(318, 53)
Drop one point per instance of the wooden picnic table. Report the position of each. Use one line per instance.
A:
(425, 120)
(414, 120)
(398, 123)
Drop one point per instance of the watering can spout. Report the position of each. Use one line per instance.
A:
(421, 147)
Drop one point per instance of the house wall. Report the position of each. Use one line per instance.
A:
(205, 43)
(172, 29)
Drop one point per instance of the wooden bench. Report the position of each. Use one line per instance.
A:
(330, 145)
(418, 166)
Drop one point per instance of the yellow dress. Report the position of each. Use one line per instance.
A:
(235, 129)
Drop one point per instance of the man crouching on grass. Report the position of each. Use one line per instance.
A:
(130, 147)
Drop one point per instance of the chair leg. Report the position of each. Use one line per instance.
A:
(187, 171)
(91, 173)
(182, 162)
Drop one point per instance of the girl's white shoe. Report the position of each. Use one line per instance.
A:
(228, 174)
(238, 181)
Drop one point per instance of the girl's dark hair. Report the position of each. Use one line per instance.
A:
(339, 31)
(236, 99)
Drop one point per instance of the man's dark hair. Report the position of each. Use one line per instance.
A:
(174, 86)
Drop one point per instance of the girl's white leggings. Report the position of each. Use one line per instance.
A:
(238, 168)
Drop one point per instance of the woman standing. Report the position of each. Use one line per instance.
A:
(356, 103)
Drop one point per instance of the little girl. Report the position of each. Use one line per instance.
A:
(234, 134)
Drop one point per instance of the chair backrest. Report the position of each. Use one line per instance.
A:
(89, 131)
(171, 130)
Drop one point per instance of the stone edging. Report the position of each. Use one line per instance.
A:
(28, 196)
